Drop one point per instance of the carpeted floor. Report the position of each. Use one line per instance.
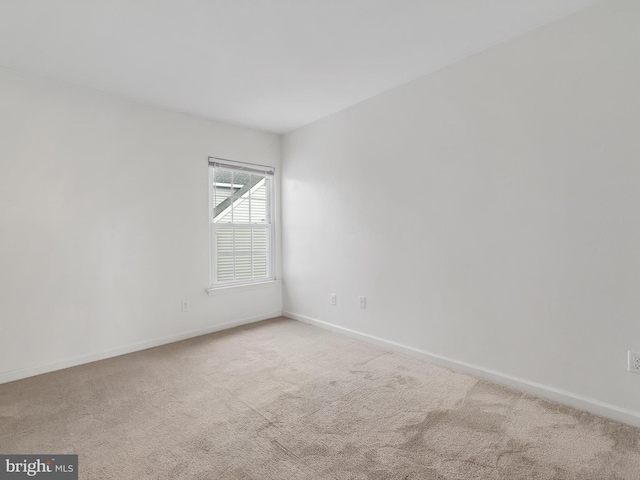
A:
(283, 400)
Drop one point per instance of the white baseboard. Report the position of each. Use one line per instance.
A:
(561, 396)
(13, 375)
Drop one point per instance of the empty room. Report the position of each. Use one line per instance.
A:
(320, 239)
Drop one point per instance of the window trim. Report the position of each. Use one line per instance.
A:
(226, 288)
(267, 171)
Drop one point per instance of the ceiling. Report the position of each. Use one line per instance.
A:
(274, 65)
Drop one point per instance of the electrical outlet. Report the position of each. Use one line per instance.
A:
(184, 306)
(333, 299)
(634, 362)
(363, 302)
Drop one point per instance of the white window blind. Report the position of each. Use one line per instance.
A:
(240, 212)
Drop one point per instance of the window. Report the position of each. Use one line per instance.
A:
(240, 214)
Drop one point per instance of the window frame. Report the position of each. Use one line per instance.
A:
(269, 173)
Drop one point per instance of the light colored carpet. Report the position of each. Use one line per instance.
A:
(283, 400)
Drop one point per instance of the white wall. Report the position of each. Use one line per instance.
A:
(490, 212)
(103, 215)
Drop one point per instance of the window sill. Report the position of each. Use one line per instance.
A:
(212, 291)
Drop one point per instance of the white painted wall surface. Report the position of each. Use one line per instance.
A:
(511, 241)
(103, 225)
